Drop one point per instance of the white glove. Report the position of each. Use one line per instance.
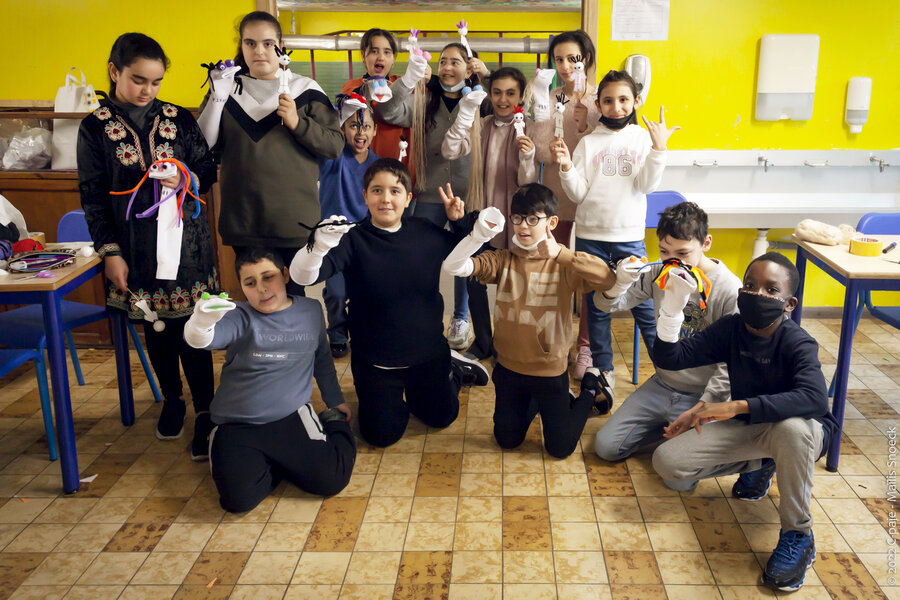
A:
(540, 91)
(628, 270)
(671, 315)
(415, 70)
(468, 106)
(489, 224)
(221, 82)
(329, 236)
(209, 310)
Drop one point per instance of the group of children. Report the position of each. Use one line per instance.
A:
(727, 361)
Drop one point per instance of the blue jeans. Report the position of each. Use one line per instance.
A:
(335, 297)
(436, 214)
(597, 320)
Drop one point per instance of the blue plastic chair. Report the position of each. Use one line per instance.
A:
(875, 224)
(9, 360)
(24, 327)
(657, 202)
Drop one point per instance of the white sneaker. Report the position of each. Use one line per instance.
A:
(610, 379)
(458, 338)
(582, 361)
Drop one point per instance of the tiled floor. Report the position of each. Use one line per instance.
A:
(440, 514)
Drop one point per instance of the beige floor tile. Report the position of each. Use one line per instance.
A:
(312, 592)
(373, 567)
(684, 568)
(94, 592)
(432, 509)
(482, 462)
(478, 536)
(283, 537)
(9, 531)
(269, 568)
(734, 568)
(110, 568)
(846, 510)
(259, 514)
(481, 484)
(563, 509)
(186, 537)
(258, 592)
(18, 511)
(40, 592)
(480, 509)
(650, 484)
(321, 568)
(388, 509)
(672, 537)
(579, 567)
(429, 536)
(865, 538)
(568, 484)
(693, 592)
(60, 569)
(66, 510)
(162, 568)
(477, 567)
(524, 484)
(404, 463)
(112, 510)
(360, 484)
(539, 591)
(234, 537)
(149, 592)
(357, 591)
(528, 567)
(476, 591)
(38, 538)
(381, 536)
(523, 462)
(575, 537)
(581, 591)
(88, 537)
(296, 510)
(389, 484)
(624, 536)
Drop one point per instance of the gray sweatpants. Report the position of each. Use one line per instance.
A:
(733, 446)
(641, 418)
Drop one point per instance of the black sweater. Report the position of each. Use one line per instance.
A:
(395, 308)
(779, 377)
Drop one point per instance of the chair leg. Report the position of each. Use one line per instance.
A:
(44, 390)
(637, 354)
(132, 330)
(73, 352)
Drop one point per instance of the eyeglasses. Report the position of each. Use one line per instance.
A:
(530, 220)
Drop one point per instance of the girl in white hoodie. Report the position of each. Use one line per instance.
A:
(608, 177)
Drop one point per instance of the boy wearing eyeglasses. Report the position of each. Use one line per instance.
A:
(536, 279)
(340, 193)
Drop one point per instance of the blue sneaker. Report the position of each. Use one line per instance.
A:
(794, 554)
(754, 485)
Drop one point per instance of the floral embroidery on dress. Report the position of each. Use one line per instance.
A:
(160, 300)
(103, 113)
(169, 110)
(127, 154)
(180, 299)
(167, 129)
(116, 294)
(135, 298)
(197, 290)
(164, 150)
(114, 130)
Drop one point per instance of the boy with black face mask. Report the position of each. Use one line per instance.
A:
(778, 419)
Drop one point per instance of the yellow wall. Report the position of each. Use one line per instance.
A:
(705, 74)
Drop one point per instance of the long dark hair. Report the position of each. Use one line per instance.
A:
(434, 85)
(579, 37)
(614, 76)
(254, 17)
(375, 32)
(129, 47)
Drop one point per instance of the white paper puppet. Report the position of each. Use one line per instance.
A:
(519, 121)
(579, 77)
(221, 77)
(403, 146)
(284, 73)
(349, 105)
(463, 28)
(379, 89)
(559, 110)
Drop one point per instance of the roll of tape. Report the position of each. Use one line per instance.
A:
(865, 246)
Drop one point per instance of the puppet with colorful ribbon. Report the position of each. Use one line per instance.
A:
(674, 266)
(349, 105)
(463, 28)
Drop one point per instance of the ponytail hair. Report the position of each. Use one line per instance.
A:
(257, 16)
(129, 47)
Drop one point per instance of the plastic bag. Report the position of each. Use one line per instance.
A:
(3, 146)
(29, 150)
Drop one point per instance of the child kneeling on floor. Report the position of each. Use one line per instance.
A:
(265, 427)
(778, 420)
(535, 279)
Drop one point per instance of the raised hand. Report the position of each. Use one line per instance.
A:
(659, 134)
(628, 270)
(453, 205)
(329, 233)
(560, 153)
(287, 110)
(490, 222)
(548, 247)
(679, 286)
(526, 145)
(415, 70)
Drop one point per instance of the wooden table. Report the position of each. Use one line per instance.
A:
(49, 293)
(857, 274)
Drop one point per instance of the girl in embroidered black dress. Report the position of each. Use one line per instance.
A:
(116, 145)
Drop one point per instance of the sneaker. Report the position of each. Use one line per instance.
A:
(610, 377)
(794, 554)
(458, 338)
(583, 361)
(203, 425)
(594, 384)
(471, 372)
(754, 485)
(339, 350)
(171, 420)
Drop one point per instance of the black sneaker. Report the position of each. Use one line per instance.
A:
(171, 420)
(203, 425)
(471, 372)
(594, 384)
(754, 485)
(339, 350)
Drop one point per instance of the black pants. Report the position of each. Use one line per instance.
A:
(249, 461)
(480, 311)
(432, 395)
(165, 348)
(520, 397)
(287, 255)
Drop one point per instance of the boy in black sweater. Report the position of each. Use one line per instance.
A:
(392, 265)
(777, 420)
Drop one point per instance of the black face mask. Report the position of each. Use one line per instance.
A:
(759, 311)
(616, 124)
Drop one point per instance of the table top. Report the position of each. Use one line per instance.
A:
(63, 275)
(851, 266)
